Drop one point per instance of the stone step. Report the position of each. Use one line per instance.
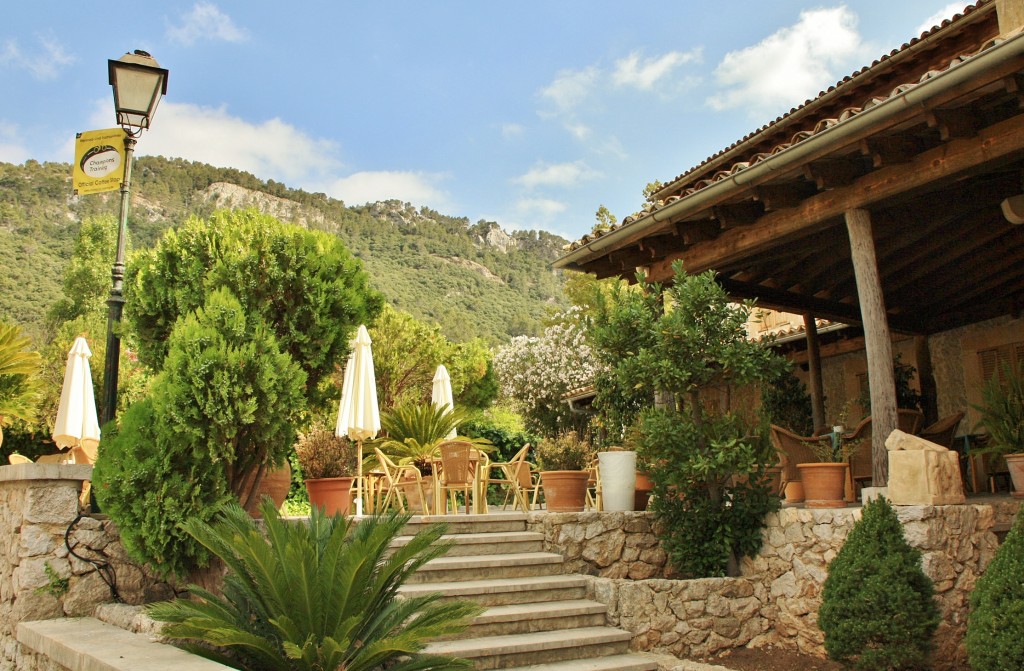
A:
(506, 591)
(501, 652)
(490, 567)
(627, 662)
(499, 542)
(470, 524)
(532, 617)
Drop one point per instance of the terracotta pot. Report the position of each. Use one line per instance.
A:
(1015, 464)
(824, 484)
(564, 491)
(794, 491)
(275, 484)
(644, 487)
(334, 495)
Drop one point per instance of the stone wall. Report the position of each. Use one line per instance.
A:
(39, 577)
(776, 600)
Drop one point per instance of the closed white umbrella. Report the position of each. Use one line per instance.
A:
(77, 425)
(441, 393)
(358, 414)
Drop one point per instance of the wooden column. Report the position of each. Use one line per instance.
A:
(877, 341)
(814, 373)
(926, 380)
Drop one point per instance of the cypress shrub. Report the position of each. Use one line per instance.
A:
(995, 627)
(877, 609)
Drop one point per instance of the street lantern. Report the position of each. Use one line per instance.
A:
(139, 83)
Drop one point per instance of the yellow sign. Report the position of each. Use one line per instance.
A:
(99, 161)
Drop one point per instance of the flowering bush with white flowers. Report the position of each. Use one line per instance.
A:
(536, 372)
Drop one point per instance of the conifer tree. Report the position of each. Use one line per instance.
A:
(995, 627)
(877, 609)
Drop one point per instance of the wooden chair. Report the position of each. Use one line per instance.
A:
(907, 421)
(943, 431)
(594, 498)
(794, 449)
(459, 473)
(397, 480)
(519, 477)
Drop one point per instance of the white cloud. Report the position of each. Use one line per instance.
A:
(557, 174)
(418, 188)
(205, 22)
(11, 150)
(646, 74)
(540, 207)
(571, 88)
(938, 17)
(791, 65)
(44, 65)
(511, 131)
(271, 149)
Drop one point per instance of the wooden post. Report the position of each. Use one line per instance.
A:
(814, 373)
(877, 341)
(926, 380)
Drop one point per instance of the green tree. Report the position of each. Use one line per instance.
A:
(695, 356)
(305, 285)
(223, 409)
(995, 626)
(878, 610)
(86, 284)
(605, 220)
(309, 597)
(18, 385)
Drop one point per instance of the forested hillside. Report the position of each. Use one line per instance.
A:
(471, 279)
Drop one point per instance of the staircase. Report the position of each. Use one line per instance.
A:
(536, 616)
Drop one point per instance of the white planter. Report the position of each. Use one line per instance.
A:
(618, 480)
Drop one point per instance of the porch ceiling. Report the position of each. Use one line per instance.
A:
(932, 174)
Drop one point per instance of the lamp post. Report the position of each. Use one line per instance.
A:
(139, 83)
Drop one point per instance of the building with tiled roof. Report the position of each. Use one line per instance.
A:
(892, 202)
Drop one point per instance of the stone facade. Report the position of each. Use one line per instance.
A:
(776, 600)
(39, 577)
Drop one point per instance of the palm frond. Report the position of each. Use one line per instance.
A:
(322, 595)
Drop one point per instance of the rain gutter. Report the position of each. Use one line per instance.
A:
(790, 157)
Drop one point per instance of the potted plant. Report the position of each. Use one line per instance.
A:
(1002, 417)
(563, 461)
(328, 464)
(824, 481)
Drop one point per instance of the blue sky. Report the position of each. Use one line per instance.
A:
(529, 113)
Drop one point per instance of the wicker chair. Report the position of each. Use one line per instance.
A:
(794, 449)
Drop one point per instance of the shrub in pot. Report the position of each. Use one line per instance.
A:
(329, 463)
(563, 461)
(995, 626)
(1002, 416)
(878, 609)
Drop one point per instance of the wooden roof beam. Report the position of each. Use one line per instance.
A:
(953, 123)
(933, 167)
(890, 150)
(784, 196)
(698, 231)
(743, 213)
(833, 173)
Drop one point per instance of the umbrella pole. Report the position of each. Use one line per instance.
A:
(359, 480)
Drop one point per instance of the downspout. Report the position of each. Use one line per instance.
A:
(918, 96)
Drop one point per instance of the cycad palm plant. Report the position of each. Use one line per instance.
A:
(18, 386)
(415, 430)
(314, 597)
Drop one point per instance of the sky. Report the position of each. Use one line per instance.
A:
(530, 113)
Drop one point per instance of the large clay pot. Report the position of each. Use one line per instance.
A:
(644, 487)
(824, 484)
(564, 491)
(1015, 464)
(275, 484)
(334, 495)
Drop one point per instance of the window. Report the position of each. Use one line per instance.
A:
(994, 360)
